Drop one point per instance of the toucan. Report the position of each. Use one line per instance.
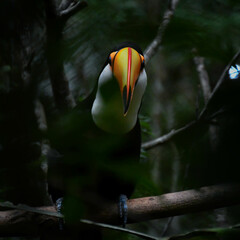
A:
(98, 143)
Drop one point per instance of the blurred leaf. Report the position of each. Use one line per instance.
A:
(232, 233)
(204, 28)
(5, 68)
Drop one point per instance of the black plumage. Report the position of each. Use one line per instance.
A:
(89, 166)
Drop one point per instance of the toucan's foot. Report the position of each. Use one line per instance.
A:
(59, 207)
(123, 209)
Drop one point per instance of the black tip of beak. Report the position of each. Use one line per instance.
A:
(126, 100)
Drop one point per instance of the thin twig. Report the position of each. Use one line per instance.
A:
(203, 77)
(155, 44)
(120, 229)
(217, 86)
(48, 211)
(167, 137)
(206, 90)
(40, 115)
(166, 227)
(216, 114)
(202, 117)
(66, 4)
(72, 9)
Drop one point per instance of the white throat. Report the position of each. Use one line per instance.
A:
(107, 109)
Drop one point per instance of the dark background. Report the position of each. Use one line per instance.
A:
(35, 47)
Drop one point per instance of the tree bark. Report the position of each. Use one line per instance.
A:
(33, 221)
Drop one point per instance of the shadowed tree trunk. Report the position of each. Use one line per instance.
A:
(22, 179)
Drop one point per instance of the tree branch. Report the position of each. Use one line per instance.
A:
(220, 82)
(55, 21)
(203, 77)
(167, 137)
(17, 222)
(54, 53)
(202, 118)
(72, 9)
(206, 89)
(155, 44)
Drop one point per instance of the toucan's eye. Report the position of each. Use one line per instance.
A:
(110, 60)
(111, 57)
(142, 61)
(143, 64)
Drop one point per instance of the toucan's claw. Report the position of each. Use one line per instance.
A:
(59, 207)
(123, 209)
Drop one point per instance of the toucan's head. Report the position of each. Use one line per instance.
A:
(126, 63)
(121, 85)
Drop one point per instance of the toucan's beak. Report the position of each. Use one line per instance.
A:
(126, 66)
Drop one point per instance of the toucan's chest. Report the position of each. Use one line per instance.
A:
(88, 155)
(108, 106)
(110, 147)
(84, 141)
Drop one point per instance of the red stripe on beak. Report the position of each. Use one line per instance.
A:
(129, 70)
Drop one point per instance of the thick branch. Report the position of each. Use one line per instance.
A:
(155, 44)
(55, 21)
(17, 222)
(178, 203)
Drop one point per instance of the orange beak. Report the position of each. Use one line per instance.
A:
(126, 66)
